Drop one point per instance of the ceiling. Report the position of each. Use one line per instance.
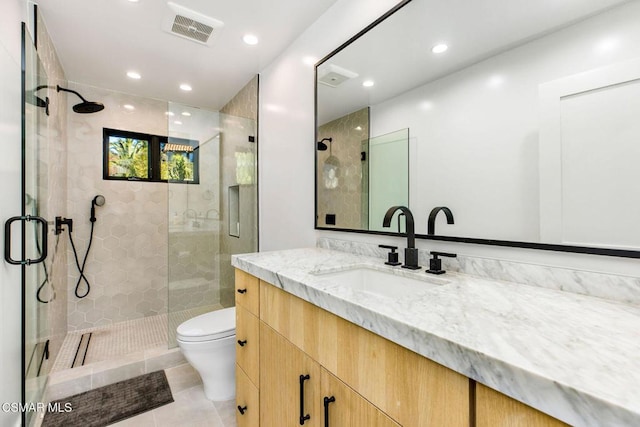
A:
(397, 53)
(99, 41)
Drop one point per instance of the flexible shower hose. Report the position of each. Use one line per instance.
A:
(84, 261)
(46, 273)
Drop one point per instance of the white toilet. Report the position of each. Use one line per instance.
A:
(208, 343)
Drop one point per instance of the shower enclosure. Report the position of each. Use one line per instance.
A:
(42, 258)
(162, 249)
(212, 214)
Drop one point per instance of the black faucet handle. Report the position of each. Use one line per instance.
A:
(435, 263)
(447, 254)
(392, 257)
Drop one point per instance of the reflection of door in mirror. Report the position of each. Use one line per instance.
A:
(388, 175)
(589, 148)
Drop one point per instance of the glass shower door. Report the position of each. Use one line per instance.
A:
(239, 204)
(193, 214)
(35, 276)
(211, 217)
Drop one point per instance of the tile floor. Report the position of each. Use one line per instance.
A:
(123, 338)
(190, 407)
(116, 344)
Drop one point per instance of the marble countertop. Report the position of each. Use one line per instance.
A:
(574, 357)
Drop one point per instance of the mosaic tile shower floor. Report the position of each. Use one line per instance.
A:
(120, 339)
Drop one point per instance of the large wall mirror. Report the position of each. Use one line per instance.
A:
(521, 117)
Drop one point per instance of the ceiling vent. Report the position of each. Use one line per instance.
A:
(191, 25)
(334, 76)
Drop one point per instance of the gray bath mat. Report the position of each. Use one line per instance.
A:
(112, 403)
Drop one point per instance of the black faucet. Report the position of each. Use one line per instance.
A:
(431, 223)
(410, 252)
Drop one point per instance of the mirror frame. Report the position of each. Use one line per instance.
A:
(590, 250)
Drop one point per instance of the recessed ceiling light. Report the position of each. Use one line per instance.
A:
(186, 113)
(367, 83)
(169, 113)
(250, 39)
(134, 1)
(309, 60)
(439, 48)
(129, 107)
(495, 81)
(607, 45)
(426, 105)
(177, 122)
(133, 75)
(185, 87)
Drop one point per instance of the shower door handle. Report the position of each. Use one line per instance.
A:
(7, 240)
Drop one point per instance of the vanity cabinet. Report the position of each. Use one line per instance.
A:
(282, 396)
(494, 409)
(342, 406)
(247, 349)
(247, 401)
(375, 382)
(248, 344)
(298, 391)
(409, 388)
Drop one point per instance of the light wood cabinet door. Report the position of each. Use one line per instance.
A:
(247, 401)
(281, 365)
(410, 388)
(248, 344)
(248, 292)
(494, 409)
(344, 407)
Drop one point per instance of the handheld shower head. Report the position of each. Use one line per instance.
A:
(99, 200)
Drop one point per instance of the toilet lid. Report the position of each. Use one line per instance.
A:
(209, 326)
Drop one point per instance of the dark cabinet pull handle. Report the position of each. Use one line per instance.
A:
(242, 409)
(327, 400)
(7, 240)
(242, 342)
(242, 291)
(303, 417)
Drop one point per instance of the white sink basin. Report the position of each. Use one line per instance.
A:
(382, 282)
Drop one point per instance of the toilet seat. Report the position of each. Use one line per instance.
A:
(209, 326)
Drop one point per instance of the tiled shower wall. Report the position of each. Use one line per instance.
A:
(238, 121)
(53, 193)
(127, 265)
(348, 200)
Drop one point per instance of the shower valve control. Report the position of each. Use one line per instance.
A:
(63, 221)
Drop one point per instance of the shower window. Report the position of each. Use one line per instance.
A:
(179, 161)
(133, 156)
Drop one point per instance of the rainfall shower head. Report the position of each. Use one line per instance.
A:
(88, 107)
(85, 107)
(322, 146)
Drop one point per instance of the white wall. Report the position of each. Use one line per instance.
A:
(286, 152)
(475, 133)
(286, 155)
(12, 12)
